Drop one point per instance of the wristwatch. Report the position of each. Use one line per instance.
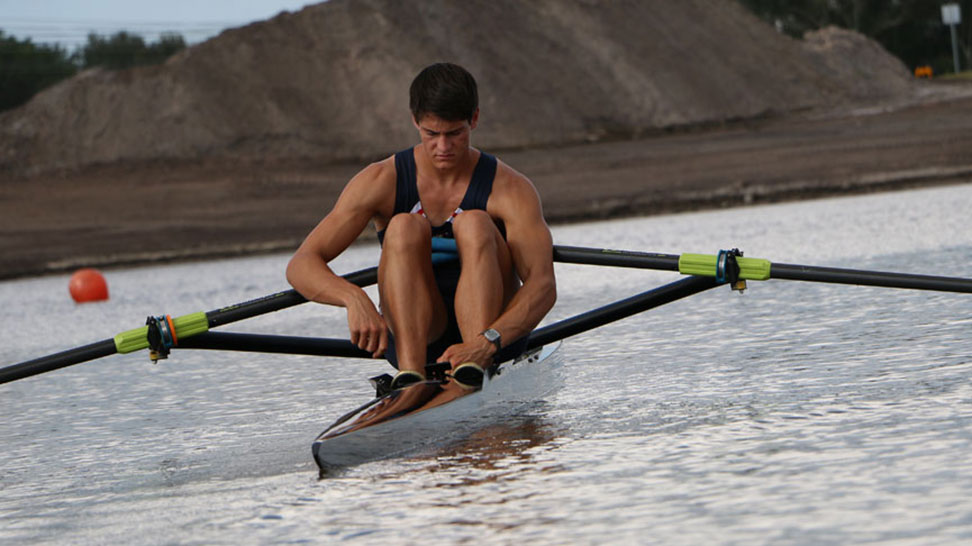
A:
(493, 337)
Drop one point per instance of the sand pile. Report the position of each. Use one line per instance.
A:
(329, 83)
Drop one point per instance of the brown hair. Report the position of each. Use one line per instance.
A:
(447, 90)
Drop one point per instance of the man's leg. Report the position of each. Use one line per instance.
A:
(487, 280)
(410, 300)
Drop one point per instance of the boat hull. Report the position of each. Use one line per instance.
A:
(431, 413)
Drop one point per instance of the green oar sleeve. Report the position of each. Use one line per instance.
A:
(704, 265)
(185, 326)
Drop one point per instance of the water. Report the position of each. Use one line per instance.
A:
(798, 413)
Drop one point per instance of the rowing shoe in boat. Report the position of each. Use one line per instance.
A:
(435, 411)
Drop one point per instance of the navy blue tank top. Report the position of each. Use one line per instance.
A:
(407, 196)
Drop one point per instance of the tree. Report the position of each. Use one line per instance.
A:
(123, 50)
(910, 29)
(26, 68)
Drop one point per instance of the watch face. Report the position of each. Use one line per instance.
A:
(491, 335)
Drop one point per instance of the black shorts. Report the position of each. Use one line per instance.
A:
(447, 279)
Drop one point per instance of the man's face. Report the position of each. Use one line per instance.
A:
(444, 141)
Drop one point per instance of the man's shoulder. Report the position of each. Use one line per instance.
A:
(513, 195)
(379, 170)
(508, 178)
(511, 183)
(378, 177)
(373, 188)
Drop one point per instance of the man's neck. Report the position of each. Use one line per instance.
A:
(447, 175)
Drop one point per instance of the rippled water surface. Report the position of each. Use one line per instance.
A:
(797, 413)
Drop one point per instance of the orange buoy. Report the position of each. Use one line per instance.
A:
(88, 285)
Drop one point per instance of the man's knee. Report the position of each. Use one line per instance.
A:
(407, 231)
(475, 228)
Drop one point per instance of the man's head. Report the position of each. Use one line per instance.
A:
(445, 90)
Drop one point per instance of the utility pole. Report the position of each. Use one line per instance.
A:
(952, 16)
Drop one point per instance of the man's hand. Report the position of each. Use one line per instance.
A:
(367, 327)
(478, 350)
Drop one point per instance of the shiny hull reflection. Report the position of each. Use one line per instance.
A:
(431, 412)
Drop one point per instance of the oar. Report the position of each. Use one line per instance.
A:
(704, 269)
(710, 270)
(268, 343)
(615, 258)
(620, 309)
(755, 269)
(265, 343)
(708, 265)
(179, 330)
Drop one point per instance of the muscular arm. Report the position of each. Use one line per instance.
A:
(364, 198)
(516, 202)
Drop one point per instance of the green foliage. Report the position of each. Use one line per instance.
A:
(912, 30)
(26, 68)
(124, 50)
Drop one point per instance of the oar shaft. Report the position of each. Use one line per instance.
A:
(262, 343)
(616, 258)
(756, 269)
(343, 348)
(869, 278)
(195, 324)
(620, 309)
(252, 308)
(278, 301)
(60, 360)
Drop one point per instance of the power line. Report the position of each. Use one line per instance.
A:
(73, 33)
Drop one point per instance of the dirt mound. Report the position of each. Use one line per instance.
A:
(329, 83)
(863, 68)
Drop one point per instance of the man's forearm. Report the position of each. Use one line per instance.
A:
(527, 308)
(314, 279)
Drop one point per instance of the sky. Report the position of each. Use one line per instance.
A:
(68, 22)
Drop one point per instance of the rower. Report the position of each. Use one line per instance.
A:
(468, 312)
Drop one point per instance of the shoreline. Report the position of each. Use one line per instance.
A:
(679, 204)
(130, 215)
